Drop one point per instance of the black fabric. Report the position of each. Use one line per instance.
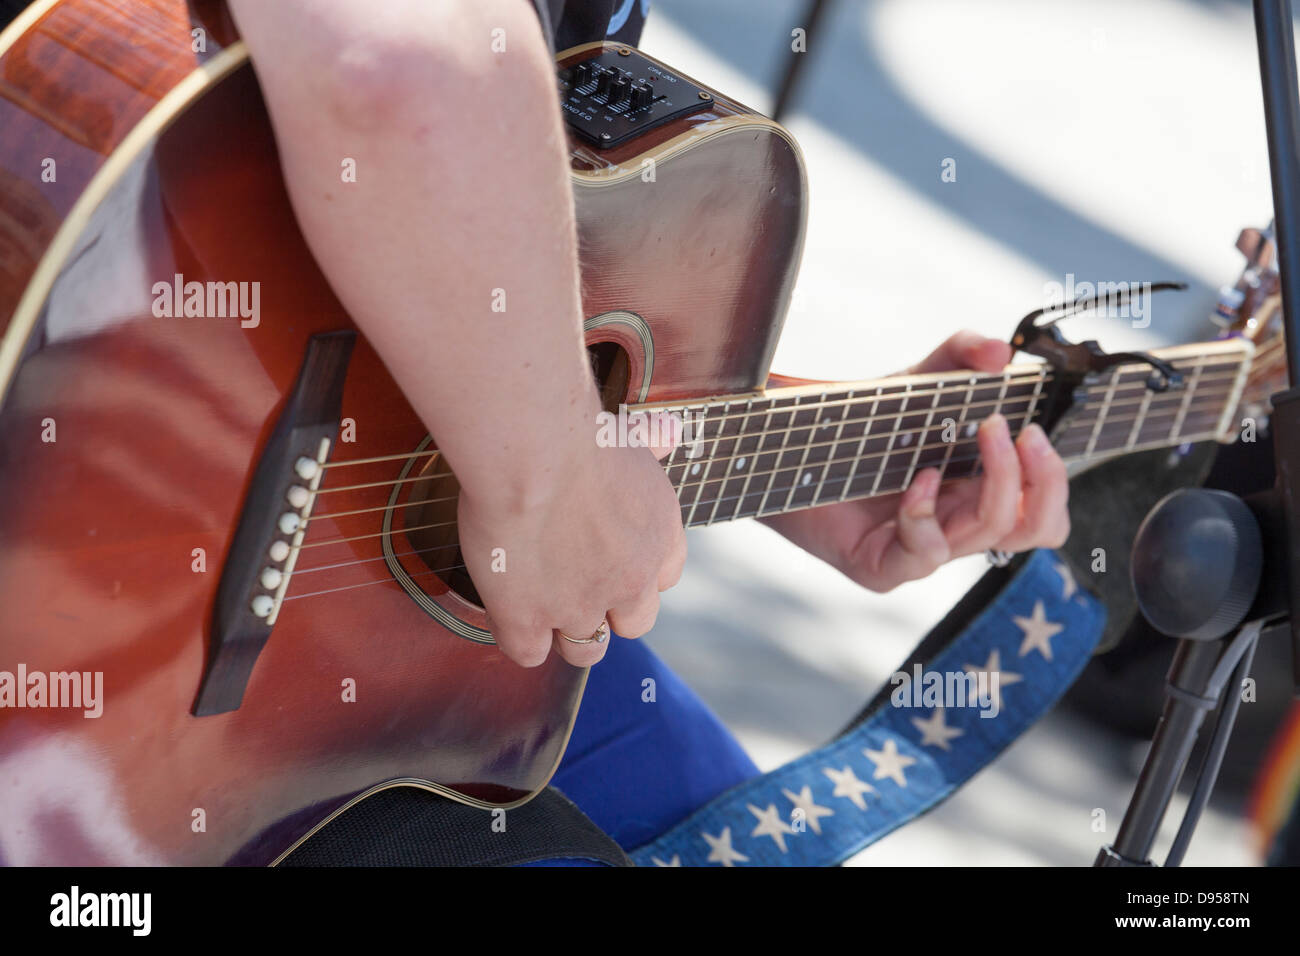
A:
(9, 9)
(571, 22)
(407, 826)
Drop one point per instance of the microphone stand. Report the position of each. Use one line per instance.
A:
(1215, 538)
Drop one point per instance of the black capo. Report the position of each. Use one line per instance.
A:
(1079, 363)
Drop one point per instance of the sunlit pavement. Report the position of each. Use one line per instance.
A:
(1108, 139)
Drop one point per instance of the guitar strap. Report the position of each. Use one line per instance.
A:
(985, 674)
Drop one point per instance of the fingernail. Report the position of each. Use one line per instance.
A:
(1036, 440)
(998, 424)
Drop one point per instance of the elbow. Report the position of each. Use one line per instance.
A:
(377, 78)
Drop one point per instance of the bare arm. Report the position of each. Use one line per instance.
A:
(461, 190)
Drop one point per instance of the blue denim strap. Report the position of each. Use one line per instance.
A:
(912, 752)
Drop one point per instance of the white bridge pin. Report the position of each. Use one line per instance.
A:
(262, 605)
(271, 578)
(288, 522)
(298, 496)
(306, 468)
(279, 550)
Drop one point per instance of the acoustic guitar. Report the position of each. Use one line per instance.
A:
(231, 598)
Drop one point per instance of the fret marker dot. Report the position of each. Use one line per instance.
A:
(740, 464)
(695, 468)
(971, 429)
(905, 440)
(806, 479)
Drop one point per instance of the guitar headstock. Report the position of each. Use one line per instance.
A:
(1252, 309)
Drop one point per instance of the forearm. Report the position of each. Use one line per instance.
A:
(461, 206)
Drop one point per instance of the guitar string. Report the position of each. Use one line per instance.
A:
(454, 567)
(1139, 386)
(821, 485)
(912, 453)
(734, 457)
(1153, 409)
(990, 380)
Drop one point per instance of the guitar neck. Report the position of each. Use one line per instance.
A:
(791, 448)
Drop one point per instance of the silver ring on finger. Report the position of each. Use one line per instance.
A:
(999, 559)
(599, 636)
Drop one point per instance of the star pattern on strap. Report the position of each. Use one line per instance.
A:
(938, 729)
(803, 800)
(1038, 631)
(935, 732)
(770, 824)
(994, 666)
(889, 762)
(848, 786)
(720, 849)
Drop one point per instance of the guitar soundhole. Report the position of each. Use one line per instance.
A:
(431, 516)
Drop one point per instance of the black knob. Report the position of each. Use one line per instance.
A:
(1197, 561)
(618, 89)
(603, 80)
(641, 96)
(581, 74)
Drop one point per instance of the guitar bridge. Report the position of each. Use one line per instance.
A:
(272, 524)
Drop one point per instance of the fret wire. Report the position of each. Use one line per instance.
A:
(1139, 418)
(979, 465)
(920, 443)
(749, 475)
(785, 440)
(1033, 406)
(889, 445)
(882, 455)
(1203, 436)
(862, 442)
(701, 443)
(1186, 403)
(726, 471)
(1085, 422)
(707, 465)
(947, 456)
(1136, 385)
(1034, 378)
(812, 433)
(1101, 415)
(830, 457)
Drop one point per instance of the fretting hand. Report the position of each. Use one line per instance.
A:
(1018, 503)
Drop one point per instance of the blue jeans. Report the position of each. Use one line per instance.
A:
(644, 756)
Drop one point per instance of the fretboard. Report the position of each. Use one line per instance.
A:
(792, 448)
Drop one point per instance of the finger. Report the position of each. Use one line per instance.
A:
(527, 646)
(966, 349)
(585, 654)
(637, 617)
(920, 545)
(664, 430)
(997, 508)
(1044, 517)
(671, 571)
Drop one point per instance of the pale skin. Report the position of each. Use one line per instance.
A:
(452, 203)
